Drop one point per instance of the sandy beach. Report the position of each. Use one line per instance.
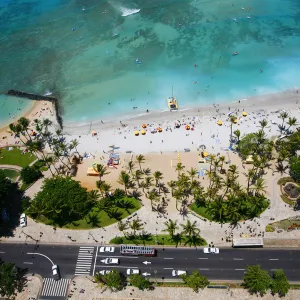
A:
(202, 120)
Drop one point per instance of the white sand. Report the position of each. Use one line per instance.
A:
(204, 120)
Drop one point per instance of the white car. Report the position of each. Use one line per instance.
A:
(55, 272)
(103, 272)
(107, 249)
(211, 250)
(23, 220)
(111, 261)
(178, 273)
(132, 271)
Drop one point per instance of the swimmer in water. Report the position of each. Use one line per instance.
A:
(195, 82)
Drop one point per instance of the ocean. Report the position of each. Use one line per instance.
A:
(84, 52)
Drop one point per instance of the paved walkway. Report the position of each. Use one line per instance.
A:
(32, 288)
(93, 291)
(11, 167)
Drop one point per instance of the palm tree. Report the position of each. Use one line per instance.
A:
(259, 186)
(263, 123)
(135, 225)
(237, 133)
(222, 160)
(284, 115)
(104, 187)
(93, 196)
(232, 120)
(157, 176)
(291, 122)
(74, 144)
(171, 227)
(148, 182)
(25, 125)
(124, 179)
(190, 228)
(179, 168)
(140, 159)
(172, 184)
(137, 176)
(101, 169)
(153, 196)
(122, 226)
(192, 172)
(217, 209)
(250, 175)
(130, 166)
(16, 129)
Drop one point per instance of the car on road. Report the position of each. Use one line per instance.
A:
(23, 220)
(178, 273)
(111, 261)
(55, 272)
(107, 249)
(103, 272)
(211, 250)
(132, 271)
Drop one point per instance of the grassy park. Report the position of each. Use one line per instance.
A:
(15, 157)
(12, 174)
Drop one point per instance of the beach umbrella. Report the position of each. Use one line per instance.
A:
(144, 126)
(205, 154)
(136, 133)
(159, 129)
(220, 123)
(143, 132)
(187, 127)
(244, 114)
(94, 132)
(234, 121)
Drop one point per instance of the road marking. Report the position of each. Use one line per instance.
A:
(118, 256)
(55, 288)
(168, 268)
(273, 259)
(240, 269)
(168, 258)
(238, 259)
(84, 260)
(203, 269)
(2, 252)
(95, 261)
(27, 263)
(203, 257)
(116, 266)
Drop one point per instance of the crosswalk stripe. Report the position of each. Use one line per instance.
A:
(55, 288)
(84, 260)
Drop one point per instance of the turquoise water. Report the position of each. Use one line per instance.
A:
(94, 65)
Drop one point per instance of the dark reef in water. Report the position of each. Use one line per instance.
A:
(36, 97)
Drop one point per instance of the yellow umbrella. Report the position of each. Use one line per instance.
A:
(220, 123)
(234, 121)
(136, 133)
(205, 154)
(143, 132)
(144, 126)
(244, 114)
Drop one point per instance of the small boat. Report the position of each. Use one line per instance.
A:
(172, 102)
(235, 53)
(137, 61)
(235, 20)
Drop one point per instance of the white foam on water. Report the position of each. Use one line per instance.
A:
(127, 11)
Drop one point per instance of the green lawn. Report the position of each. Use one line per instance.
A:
(101, 219)
(201, 211)
(12, 174)
(160, 239)
(15, 157)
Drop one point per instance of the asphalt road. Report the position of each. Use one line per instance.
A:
(230, 264)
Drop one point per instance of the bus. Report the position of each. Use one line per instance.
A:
(137, 250)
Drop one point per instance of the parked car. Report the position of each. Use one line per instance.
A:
(55, 272)
(178, 273)
(103, 272)
(107, 249)
(132, 271)
(211, 250)
(23, 220)
(111, 261)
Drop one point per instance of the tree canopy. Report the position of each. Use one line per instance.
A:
(280, 284)
(12, 279)
(295, 168)
(195, 281)
(256, 280)
(139, 281)
(61, 200)
(30, 174)
(114, 280)
(5, 185)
